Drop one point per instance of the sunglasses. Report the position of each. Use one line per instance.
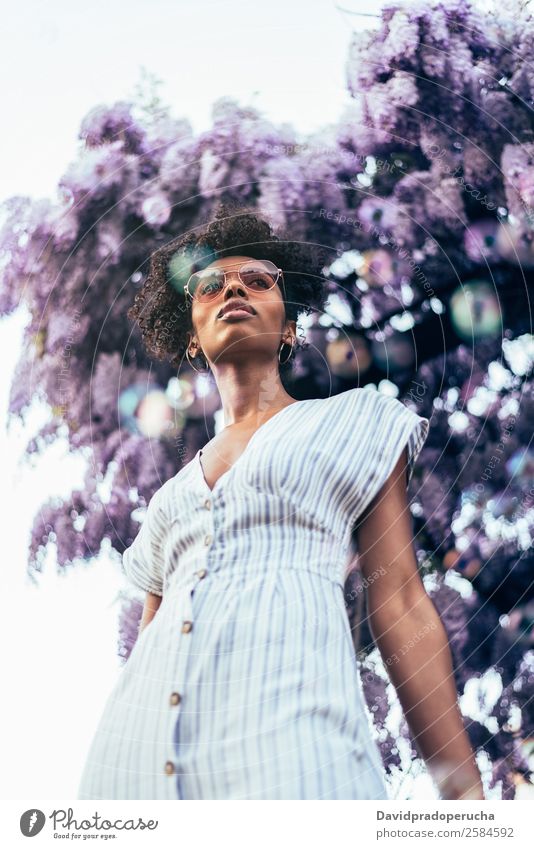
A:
(258, 275)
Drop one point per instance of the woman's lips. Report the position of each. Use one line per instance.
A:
(238, 312)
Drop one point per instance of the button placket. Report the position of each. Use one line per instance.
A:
(175, 698)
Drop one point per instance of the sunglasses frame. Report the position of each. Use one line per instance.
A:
(226, 271)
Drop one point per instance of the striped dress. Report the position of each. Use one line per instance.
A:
(245, 684)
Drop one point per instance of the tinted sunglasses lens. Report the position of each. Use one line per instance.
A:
(206, 284)
(259, 276)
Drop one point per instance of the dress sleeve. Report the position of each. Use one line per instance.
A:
(392, 426)
(143, 561)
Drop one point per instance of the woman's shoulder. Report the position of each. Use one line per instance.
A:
(347, 402)
(373, 401)
(374, 417)
(342, 399)
(326, 422)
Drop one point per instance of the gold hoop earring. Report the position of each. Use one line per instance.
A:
(291, 344)
(199, 370)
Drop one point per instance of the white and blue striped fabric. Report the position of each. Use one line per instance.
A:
(245, 684)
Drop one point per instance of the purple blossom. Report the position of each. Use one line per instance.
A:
(113, 125)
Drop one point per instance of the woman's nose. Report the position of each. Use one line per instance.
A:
(235, 283)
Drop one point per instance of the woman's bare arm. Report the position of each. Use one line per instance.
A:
(150, 608)
(412, 640)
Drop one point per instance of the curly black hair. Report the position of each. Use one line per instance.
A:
(162, 310)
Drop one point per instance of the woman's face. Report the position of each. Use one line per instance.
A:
(256, 333)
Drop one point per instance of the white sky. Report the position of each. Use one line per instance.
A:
(64, 57)
(61, 59)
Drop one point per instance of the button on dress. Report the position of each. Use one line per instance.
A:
(245, 684)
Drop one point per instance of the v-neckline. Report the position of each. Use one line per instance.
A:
(247, 446)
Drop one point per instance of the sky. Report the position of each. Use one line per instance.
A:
(65, 57)
(62, 59)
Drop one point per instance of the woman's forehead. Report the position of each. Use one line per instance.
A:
(229, 261)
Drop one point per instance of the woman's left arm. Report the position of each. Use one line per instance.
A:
(412, 640)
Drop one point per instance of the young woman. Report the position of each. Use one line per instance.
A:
(244, 683)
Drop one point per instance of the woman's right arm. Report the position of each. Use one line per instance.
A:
(150, 608)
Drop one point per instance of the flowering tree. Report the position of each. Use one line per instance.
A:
(423, 193)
